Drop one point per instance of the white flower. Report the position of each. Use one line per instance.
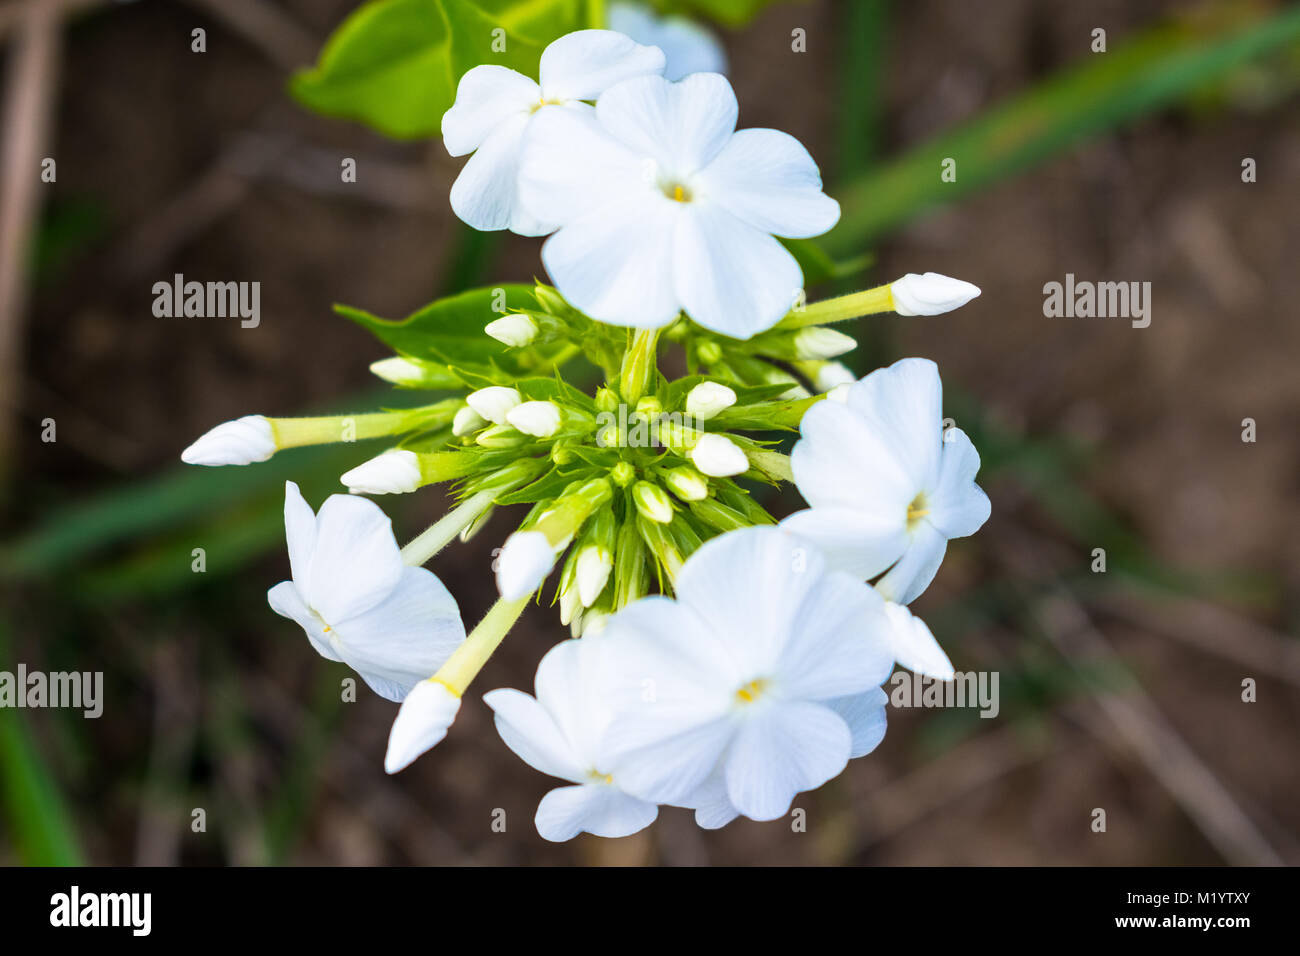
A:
(525, 560)
(688, 47)
(886, 486)
(495, 106)
(394, 472)
(241, 442)
(422, 721)
(719, 457)
(494, 402)
(513, 330)
(734, 673)
(559, 733)
(359, 604)
(930, 294)
(539, 419)
(707, 399)
(663, 206)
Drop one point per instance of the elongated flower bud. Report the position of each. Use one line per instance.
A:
(494, 402)
(515, 331)
(539, 419)
(719, 457)
(467, 420)
(651, 501)
(408, 373)
(592, 573)
(395, 472)
(241, 442)
(827, 375)
(707, 399)
(422, 721)
(501, 436)
(687, 483)
(930, 294)
(821, 343)
(525, 560)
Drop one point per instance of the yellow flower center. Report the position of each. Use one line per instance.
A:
(917, 510)
(677, 192)
(751, 691)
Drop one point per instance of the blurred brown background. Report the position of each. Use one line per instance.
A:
(1126, 698)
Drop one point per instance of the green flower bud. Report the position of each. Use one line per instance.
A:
(652, 502)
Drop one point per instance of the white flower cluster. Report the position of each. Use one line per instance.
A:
(760, 676)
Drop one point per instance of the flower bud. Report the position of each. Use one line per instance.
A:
(707, 399)
(395, 472)
(652, 502)
(930, 294)
(719, 457)
(827, 375)
(410, 373)
(525, 560)
(494, 402)
(622, 474)
(422, 721)
(514, 330)
(592, 572)
(840, 393)
(687, 483)
(501, 436)
(709, 353)
(467, 420)
(817, 342)
(606, 400)
(649, 407)
(241, 442)
(539, 419)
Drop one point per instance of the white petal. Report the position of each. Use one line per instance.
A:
(616, 263)
(422, 721)
(567, 685)
(781, 750)
(571, 166)
(958, 506)
(583, 64)
(241, 442)
(394, 472)
(356, 562)
(486, 97)
(599, 809)
(524, 562)
(494, 402)
(299, 533)
(903, 406)
(913, 644)
(539, 419)
(286, 602)
(767, 179)
(857, 542)
(713, 808)
(840, 645)
(730, 277)
(688, 47)
(682, 125)
(865, 715)
(532, 734)
(905, 581)
(485, 194)
(404, 638)
(840, 461)
(708, 399)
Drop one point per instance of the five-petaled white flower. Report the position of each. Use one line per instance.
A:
(559, 733)
(733, 675)
(495, 105)
(359, 604)
(662, 206)
(887, 485)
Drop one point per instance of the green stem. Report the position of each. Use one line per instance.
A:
(439, 534)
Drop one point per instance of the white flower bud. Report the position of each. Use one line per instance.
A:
(395, 472)
(398, 370)
(821, 343)
(241, 442)
(719, 457)
(840, 393)
(570, 604)
(830, 375)
(494, 402)
(467, 420)
(513, 330)
(525, 560)
(930, 294)
(707, 399)
(687, 483)
(422, 721)
(500, 436)
(539, 419)
(651, 501)
(591, 624)
(594, 566)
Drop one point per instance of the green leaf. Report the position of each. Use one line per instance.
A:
(1133, 79)
(450, 331)
(394, 64)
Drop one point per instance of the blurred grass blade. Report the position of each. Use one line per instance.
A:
(1135, 78)
(34, 814)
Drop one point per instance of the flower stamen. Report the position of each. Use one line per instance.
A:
(751, 691)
